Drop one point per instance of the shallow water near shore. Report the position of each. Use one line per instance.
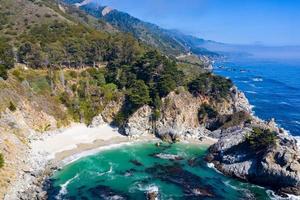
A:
(176, 171)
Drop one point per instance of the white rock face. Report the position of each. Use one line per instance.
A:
(179, 117)
(83, 3)
(140, 122)
(106, 11)
(241, 103)
(97, 121)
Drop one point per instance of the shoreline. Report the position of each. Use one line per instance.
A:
(56, 149)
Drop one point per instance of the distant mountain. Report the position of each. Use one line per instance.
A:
(168, 41)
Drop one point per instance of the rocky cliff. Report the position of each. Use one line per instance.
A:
(179, 114)
(277, 167)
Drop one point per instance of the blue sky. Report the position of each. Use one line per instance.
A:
(269, 22)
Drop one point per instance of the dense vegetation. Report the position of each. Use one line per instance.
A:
(211, 85)
(6, 57)
(59, 44)
(261, 139)
(119, 65)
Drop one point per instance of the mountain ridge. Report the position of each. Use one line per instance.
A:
(169, 41)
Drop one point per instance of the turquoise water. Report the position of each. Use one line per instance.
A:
(177, 171)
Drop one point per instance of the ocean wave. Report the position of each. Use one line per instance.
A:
(296, 122)
(63, 191)
(246, 193)
(212, 166)
(253, 85)
(251, 92)
(167, 156)
(107, 172)
(258, 79)
(273, 196)
(143, 188)
(227, 183)
(298, 140)
(284, 103)
(78, 156)
(245, 81)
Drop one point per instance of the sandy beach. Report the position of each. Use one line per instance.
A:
(55, 149)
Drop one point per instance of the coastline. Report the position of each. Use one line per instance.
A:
(56, 149)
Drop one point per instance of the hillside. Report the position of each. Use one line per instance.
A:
(59, 65)
(168, 41)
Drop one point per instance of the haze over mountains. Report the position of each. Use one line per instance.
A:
(169, 41)
(176, 42)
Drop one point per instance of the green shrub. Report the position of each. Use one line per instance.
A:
(236, 119)
(120, 119)
(138, 94)
(109, 91)
(12, 107)
(210, 85)
(73, 74)
(1, 160)
(261, 139)
(206, 112)
(18, 74)
(3, 72)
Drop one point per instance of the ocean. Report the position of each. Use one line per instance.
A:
(272, 87)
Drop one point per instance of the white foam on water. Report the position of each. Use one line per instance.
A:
(273, 196)
(298, 141)
(78, 156)
(227, 183)
(284, 103)
(258, 79)
(245, 81)
(212, 166)
(107, 172)
(251, 92)
(63, 191)
(297, 122)
(167, 156)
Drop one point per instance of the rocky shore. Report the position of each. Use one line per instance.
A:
(277, 167)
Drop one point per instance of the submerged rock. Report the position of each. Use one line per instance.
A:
(136, 163)
(105, 192)
(192, 185)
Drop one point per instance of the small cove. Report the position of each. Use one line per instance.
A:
(177, 171)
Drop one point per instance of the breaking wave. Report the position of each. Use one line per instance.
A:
(63, 191)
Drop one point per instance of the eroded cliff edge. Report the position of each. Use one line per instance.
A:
(248, 148)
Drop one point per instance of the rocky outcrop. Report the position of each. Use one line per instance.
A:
(240, 102)
(111, 109)
(140, 122)
(179, 115)
(277, 167)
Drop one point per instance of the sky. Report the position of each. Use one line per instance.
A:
(267, 22)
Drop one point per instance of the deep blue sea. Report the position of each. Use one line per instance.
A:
(272, 87)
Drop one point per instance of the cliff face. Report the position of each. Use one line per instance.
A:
(179, 115)
(276, 167)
